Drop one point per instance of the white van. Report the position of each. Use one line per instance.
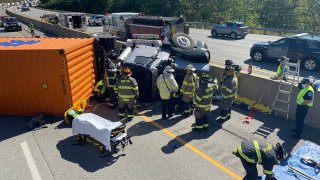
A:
(73, 21)
(115, 22)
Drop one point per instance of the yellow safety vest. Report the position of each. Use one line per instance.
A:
(303, 92)
(100, 83)
(281, 69)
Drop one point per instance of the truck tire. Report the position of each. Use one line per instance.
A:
(182, 41)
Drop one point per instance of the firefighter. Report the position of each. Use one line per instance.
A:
(202, 102)
(281, 69)
(188, 89)
(253, 152)
(304, 101)
(167, 86)
(32, 28)
(100, 90)
(237, 69)
(111, 76)
(229, 89)
(128, 93)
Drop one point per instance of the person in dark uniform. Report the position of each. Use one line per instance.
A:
(304, 100)
(253, 152)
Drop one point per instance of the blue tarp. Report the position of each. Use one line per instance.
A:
(308, 149)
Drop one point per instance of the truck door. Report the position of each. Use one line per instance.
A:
(278, 48)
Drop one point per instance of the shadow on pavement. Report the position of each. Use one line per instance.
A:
(225, 38)
(87, 156)
(12, 126)
(283, 127)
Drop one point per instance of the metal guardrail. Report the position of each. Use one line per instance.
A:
(204, 25)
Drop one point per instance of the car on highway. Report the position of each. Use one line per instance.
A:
(1, 20)
(302, 47)
(12, 24)
(25, 9)
(96, 20)
(232, 29)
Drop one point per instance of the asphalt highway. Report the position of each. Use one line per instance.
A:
(161, 149)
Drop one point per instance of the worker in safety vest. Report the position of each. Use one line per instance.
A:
(253, 152)
(32, 28)
(304, 101)
(128, 93)
(229, 90)
(167, 86)
(202, 102)
(100, 90)
(188, 89)
(111, 76)
(281, 69)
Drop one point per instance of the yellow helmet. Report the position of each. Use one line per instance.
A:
(190, 67)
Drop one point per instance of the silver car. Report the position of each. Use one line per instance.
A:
(232, 29)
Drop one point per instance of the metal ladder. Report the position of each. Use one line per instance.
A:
(285, 88)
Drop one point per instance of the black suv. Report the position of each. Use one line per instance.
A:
(302, 47)
(11, 24)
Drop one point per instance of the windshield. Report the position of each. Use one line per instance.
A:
(142, 60)
(11, 20)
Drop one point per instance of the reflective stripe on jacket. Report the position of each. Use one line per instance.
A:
(258, 152)
(165, 80)
(229, 87)
(126, 87)
(189, 85)
(204, 96)
(100, 83)
(303, 92)
(111, 79)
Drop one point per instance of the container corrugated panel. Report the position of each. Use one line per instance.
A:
(45, 75)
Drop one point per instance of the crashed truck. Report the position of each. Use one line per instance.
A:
(124, 25)
(73, 21)
(148, 58)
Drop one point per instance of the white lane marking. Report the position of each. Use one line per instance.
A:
(31, 163)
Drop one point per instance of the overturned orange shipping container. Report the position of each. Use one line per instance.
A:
(44, 75)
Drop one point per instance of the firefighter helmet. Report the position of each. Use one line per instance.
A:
(206, 77)
(190, 67)
(126, 71)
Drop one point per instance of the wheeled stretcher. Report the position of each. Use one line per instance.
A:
(109, 136)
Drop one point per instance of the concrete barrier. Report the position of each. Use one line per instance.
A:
(256, 86)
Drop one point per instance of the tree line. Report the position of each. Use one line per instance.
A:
(282, 14)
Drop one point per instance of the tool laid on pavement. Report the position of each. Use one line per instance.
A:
(310, 162)
(297, 171)
(285, 88)
(37, 119)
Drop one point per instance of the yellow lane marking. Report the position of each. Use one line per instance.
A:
(192, 148)
(19, 34)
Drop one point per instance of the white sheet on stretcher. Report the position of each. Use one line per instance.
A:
(95, 126)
